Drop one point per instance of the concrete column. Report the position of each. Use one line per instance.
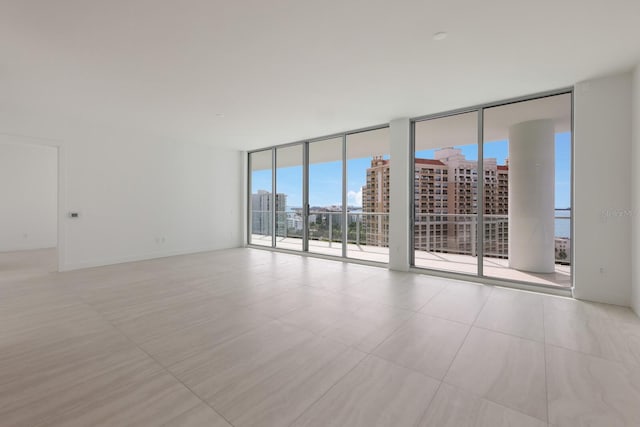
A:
(399, 212)
(635, 194)
(531, 196)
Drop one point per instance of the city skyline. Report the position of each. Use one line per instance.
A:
(325, 178)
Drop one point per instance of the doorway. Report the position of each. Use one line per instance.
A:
(29, 209)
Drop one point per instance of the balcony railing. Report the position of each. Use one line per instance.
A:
(363, 228)
(445, 233)
(457, 234)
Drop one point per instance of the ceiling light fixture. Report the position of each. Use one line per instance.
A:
(220, 115)
(440, 35)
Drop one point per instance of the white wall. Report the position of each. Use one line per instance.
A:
(144, 199)
(635, 189)
(602, 199)
(139, 196)
(28, 196)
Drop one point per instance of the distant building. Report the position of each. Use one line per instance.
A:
(261, 212)
(446, 202)
(375, 199)
(295, 221)
(563, 249)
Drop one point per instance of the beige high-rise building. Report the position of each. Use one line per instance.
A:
(375, 201)
(446, 203)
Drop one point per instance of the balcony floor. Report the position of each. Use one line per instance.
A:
(457, 263)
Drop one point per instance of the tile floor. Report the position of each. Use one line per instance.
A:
(247, 337)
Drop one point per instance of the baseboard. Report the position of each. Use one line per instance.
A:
(30, 247)
(135, 258)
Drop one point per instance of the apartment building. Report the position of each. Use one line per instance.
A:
(261, 212)
(446, 201)
(375, 201)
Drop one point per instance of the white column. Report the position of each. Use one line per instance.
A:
(635, 193)
(531, 196)
(399, 213)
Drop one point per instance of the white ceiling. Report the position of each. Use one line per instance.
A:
(449, 131)
(285, 70)
(462, 129)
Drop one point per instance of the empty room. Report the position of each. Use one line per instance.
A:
(340, 213)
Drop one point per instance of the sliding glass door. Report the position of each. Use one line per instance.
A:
(289, 197)
(527, 194)
(327, 196)
(325, 212)
(445, 194)
(260, 199)
(492, 191)
(368, 187)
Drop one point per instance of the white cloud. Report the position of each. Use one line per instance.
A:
(355, 199)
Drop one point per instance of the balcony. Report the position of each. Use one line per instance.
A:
(448, 243)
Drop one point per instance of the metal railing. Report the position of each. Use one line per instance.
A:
(457, 234)
(446, 233)
(363, 228)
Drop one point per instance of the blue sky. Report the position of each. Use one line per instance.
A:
(325, 178)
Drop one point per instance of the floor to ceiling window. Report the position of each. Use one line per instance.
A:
(330, 196)
(491, 193)
(289, 197)
(445, 195)
(261, 198)
(505, 210)
(527, 194)
(325, 213)
(368, 181)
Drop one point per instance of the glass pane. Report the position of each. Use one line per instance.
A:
(325, 197)
(260, 202)
(368, 195)
(527, 197)
(446, 193)
(289, 214)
